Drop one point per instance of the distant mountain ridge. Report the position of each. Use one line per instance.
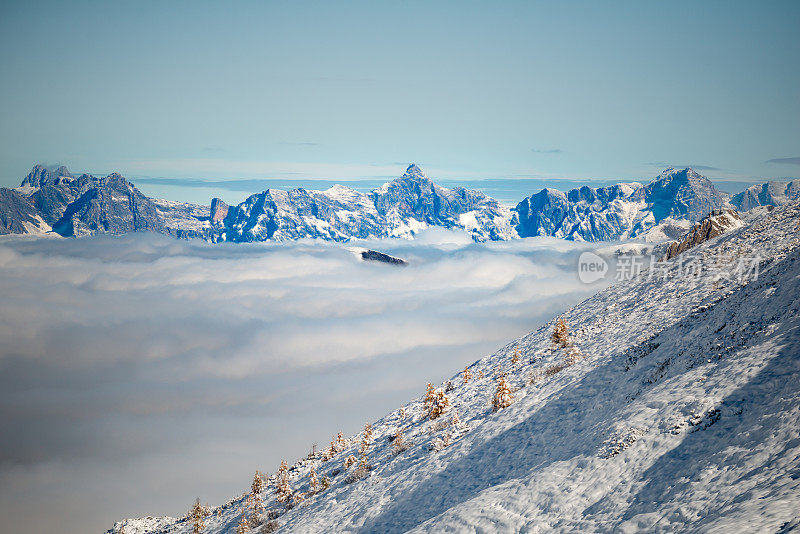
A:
(399, 208)
(51, 199)
(619, 211)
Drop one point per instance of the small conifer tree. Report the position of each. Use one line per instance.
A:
(429, 399)
(366, 440)
(560, 334)
(402, 413)
(515, 357)
(503, 396)
(283, 492)
(349, 461)
(313, 482)
(467, 375)
(255, 503)
(197, 516)
(341, 443)
(440, 405)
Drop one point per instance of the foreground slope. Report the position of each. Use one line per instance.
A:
(683, 408)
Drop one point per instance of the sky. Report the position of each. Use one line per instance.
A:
(356, 91)
(139, 372)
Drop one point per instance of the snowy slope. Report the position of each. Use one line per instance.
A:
(681, 412)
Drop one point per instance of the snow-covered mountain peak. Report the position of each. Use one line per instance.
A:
(414, 170)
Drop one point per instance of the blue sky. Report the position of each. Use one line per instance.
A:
(335, 91)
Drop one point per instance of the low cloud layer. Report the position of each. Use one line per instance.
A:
(138, 372)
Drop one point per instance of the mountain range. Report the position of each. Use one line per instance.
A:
(54, 200)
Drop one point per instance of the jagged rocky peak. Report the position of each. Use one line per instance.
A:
(414, 177)
(414, 170)
(45, 174)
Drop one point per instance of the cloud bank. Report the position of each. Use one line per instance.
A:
(138, 372)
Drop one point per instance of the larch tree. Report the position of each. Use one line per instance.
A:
(283, 492)
(440, 405)
(313, 482)
(503, 395)
(255, 501)
(560, 336)
(197, 515)
(341, 443)
(429, 399)
(467, 375)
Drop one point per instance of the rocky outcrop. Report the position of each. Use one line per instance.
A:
(716, 223)
(219, 210)
(374, 255)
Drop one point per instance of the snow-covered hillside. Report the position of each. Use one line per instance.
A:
(673, 403)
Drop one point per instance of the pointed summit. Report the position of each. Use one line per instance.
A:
(682, 193)
(413, 170)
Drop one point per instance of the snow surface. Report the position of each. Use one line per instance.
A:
(682, 412)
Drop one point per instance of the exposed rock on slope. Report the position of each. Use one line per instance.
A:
(675, 404)
(18, 215)
(716, 223)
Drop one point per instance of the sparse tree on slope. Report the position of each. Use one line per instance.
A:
(467, 375)
(313, 482)
(429, 399)
(255, 504)
(560, 334)
(283, 492)
(197, 516)
(440, 405)
(503, 395)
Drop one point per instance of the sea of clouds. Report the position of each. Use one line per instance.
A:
(140, 372)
